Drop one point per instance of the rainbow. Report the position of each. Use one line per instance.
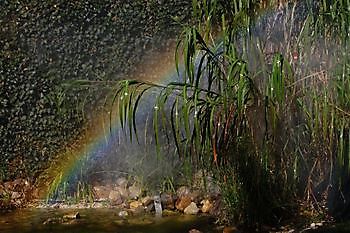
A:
(157, 67)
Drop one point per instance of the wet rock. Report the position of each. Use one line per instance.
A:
(168, 201)
(135, 204)
(98, 205)
(206, 206)
(313, 225)
(134, 191)
(183, 202)
(115, 197)
(191, 209)
(123, 214)
(72, 216)
(150, 207)
(146, 200)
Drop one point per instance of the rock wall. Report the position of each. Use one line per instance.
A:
(44, 44)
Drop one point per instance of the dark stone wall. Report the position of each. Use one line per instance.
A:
(45, 44)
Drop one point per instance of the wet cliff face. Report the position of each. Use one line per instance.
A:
(45, 43)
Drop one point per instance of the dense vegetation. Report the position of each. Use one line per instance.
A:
(263, 102)
(44, 45)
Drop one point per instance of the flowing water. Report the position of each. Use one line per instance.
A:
(99, 221)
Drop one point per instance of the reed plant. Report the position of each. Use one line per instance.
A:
(275, 136)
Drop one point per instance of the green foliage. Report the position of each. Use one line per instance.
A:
(274, 135)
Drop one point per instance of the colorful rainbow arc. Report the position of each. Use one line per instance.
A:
(159, 68)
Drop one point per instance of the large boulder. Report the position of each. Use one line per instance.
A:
(122, 182)
(115, 197)
(123, 191)
(102, 192)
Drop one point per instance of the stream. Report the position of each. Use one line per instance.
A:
(99, 221)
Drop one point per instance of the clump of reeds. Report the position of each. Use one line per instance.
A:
(277, 135)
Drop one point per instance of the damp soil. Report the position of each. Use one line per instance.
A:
(99, 221)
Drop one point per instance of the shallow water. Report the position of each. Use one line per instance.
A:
(100, 221)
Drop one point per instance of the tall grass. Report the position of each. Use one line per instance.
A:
(276, 136)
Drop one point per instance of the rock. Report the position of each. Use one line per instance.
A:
(146, 200)
(8, 185)
(102, 192)
(123, 214)
(206, 206)
(115, 197)
(135, 204)
(213, 188)
(18, 185)
(55, 206)
(167, 201)
(136, 207)
(72, 216)
(191, 209)
(149, 207)
(216, 207)
(194, 231)
(122, 182)
(134, 191)
(35, 193)
(2, 190)
(196, 196)
(123, 191)
(319, 224)
(182, 203)
(183, 191)
(15, 195)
